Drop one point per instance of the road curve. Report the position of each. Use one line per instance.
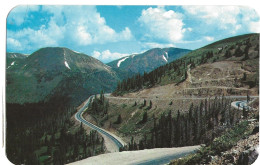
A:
(243, 104)
(78, 116)
(154, 156)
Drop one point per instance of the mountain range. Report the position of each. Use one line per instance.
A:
(60, 73)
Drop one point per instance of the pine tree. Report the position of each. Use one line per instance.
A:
(144, 103)
(119, 119)
(135, 104)
(244, 77)
(145, 117)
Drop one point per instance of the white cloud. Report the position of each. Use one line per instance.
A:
(85, 25)
(149, 45)
(18, 14)
(83, 35)
(163, 25)
(107, 55)
(32, 39)
(254, 27)
(222, 14)
(80, 25)
(231, 18)
(13, 43)
(208, 38)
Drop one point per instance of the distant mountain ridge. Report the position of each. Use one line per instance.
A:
(62, 74)
(12, 58)
(149, 60)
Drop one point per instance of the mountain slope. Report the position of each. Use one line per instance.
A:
(149, 60)
(227, 64)
(14, 58)
(52, 73)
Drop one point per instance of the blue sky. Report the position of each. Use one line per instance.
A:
(111, 32)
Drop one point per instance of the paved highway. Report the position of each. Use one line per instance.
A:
(240, 104)
(156, 156)
(119, 143)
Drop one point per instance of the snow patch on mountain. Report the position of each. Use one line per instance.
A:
(164, 58)
(166, 53)
(76, 51)
(120, 61)
(66, 64)
(65, 61)
(11, 64)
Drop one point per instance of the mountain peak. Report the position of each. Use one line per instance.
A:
(149, 60)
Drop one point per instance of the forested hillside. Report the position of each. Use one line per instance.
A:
(36, 135)
(242, 49)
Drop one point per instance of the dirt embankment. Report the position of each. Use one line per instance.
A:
(214, 79)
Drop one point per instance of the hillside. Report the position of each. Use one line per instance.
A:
(149, 60)
(52, 73)
(228, 67)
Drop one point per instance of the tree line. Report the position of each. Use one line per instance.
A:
(200, 125)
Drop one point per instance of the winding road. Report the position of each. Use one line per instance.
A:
(142, 157)
(78, 116)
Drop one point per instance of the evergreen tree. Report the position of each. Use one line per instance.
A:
(119, 119)
(144, 103)
(145, 117)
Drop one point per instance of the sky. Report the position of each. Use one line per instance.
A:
(111, 32)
